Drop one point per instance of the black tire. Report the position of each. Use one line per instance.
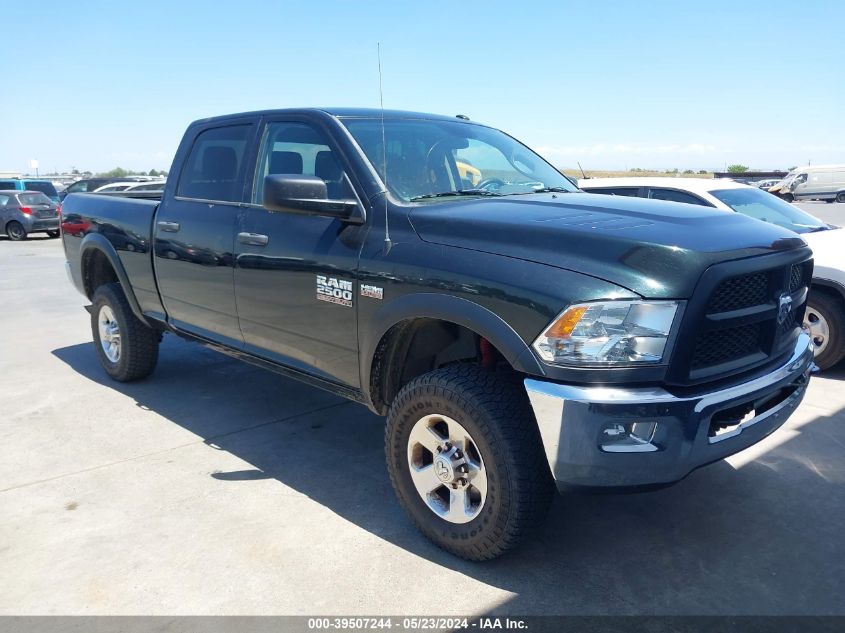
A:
(494, 409)
(840, 197)
(832, 310)
(54, 234)
(15, 231)
(138, 352)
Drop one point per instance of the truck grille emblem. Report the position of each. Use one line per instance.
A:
(784, 307)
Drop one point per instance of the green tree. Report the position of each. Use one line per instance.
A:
(117, 172)
(737, 169)
(689, 171)
(702, 171)
(153, 172)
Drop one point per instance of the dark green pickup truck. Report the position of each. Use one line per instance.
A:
(516, 332)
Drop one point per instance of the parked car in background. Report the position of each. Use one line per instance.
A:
(825, 314)
(27, 184)
(155, 185)
(765, 184)
(25, 212)
(822, 182)
(90, 184)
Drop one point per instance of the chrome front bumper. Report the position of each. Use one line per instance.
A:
(598, 436)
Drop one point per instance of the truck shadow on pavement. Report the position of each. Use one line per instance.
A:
(764, 538)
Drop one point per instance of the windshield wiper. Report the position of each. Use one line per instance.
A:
(552, 190)
(459, 192)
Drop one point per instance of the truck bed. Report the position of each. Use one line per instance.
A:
(126, 223)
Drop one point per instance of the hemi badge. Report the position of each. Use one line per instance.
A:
(374, 292)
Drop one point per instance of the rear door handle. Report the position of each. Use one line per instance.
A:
(170, 227)
(254, 239)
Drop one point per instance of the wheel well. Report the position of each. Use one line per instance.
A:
(416, 346)
(96, 271)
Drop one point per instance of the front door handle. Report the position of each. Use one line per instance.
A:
(170, 227)
(254, 239)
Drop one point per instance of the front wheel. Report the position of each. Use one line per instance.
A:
(16, 231)
(466, 460)
(825, 319)
(840, 197)
(128, 349)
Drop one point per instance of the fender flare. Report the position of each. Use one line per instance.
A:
(96, 242)
(455, 310)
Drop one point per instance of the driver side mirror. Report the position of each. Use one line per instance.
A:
(307, 195)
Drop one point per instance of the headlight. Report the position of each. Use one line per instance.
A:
(608, 333)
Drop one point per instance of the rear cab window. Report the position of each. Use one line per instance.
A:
(9, 184)
(214, 167)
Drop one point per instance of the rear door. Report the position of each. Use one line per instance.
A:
(295, 278)
(195, 231)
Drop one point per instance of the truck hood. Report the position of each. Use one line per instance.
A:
(654, 248)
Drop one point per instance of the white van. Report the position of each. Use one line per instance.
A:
(821, 182)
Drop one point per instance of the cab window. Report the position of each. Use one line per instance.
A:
(214, 167)
(674, 195)
(299, 149)
(631, 192)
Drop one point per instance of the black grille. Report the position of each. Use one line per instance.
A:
(721, 346)
(796, 277)
(736, 328)
(738, 293)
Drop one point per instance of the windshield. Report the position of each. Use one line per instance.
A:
(427, 158)
(761, 205)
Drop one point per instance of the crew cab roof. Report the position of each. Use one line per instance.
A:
(363, 113)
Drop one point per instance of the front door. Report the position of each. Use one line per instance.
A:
(295, 275)
(195, 233)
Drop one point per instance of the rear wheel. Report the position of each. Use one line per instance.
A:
(53, 234)
(128, 349)
(15, 231)
(466, 460)
(825, 319)
(840, 197)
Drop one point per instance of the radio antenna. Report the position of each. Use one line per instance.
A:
(583, 175)
(387, 242)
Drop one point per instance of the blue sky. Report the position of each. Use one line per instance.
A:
(94, 85)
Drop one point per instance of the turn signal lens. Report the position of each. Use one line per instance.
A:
(566, 322)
